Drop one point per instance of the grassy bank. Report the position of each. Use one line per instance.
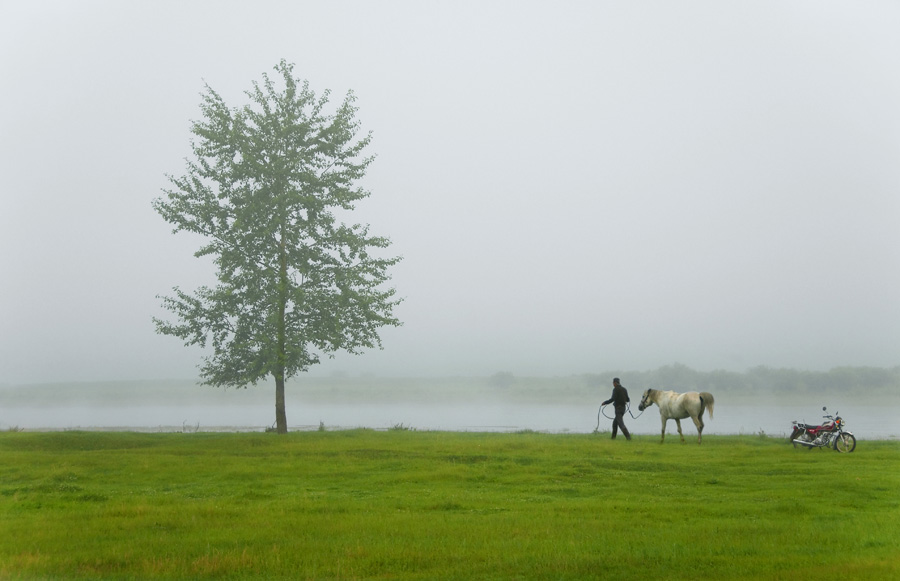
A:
(433, 505)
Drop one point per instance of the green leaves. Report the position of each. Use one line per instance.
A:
(261, 187)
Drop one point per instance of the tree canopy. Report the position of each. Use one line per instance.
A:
(294, 282)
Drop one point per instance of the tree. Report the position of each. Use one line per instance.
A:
(294, 282)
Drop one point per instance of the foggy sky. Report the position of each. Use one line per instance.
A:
(574, 186)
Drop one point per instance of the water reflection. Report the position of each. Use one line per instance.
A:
(865, 421)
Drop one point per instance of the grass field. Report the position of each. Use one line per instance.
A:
(403, 504)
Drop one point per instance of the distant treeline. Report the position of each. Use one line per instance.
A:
(868, 382)
(862, 381)
(875, 380)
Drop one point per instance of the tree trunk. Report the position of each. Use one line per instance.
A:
(280, 415)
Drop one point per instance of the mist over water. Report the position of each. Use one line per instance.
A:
(186, 407)
(866, 422)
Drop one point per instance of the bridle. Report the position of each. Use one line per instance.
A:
(645, 401)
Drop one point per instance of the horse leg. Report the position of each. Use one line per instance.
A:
(663, 437)
(698, 421)
(678, 423)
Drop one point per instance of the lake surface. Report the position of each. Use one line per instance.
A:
(865, 421)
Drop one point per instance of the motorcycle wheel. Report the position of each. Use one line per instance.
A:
(845, 443)
(804, 437)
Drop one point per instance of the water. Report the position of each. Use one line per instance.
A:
(865, 421)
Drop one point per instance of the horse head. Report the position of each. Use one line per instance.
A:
(645, 401)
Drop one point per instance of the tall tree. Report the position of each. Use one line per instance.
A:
(294, 282)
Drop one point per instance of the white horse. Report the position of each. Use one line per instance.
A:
(678, 406)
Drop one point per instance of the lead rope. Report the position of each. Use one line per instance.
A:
(640, 413)
(628, 409)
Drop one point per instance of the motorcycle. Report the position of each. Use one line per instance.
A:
(829, 434)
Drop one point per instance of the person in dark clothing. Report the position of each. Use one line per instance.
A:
(620, 401)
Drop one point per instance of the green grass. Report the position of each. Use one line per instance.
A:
(404, 504)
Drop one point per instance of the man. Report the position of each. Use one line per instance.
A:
(619, 400)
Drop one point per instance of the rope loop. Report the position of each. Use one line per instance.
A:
(628, 409)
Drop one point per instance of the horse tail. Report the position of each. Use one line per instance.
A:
(707, 401)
